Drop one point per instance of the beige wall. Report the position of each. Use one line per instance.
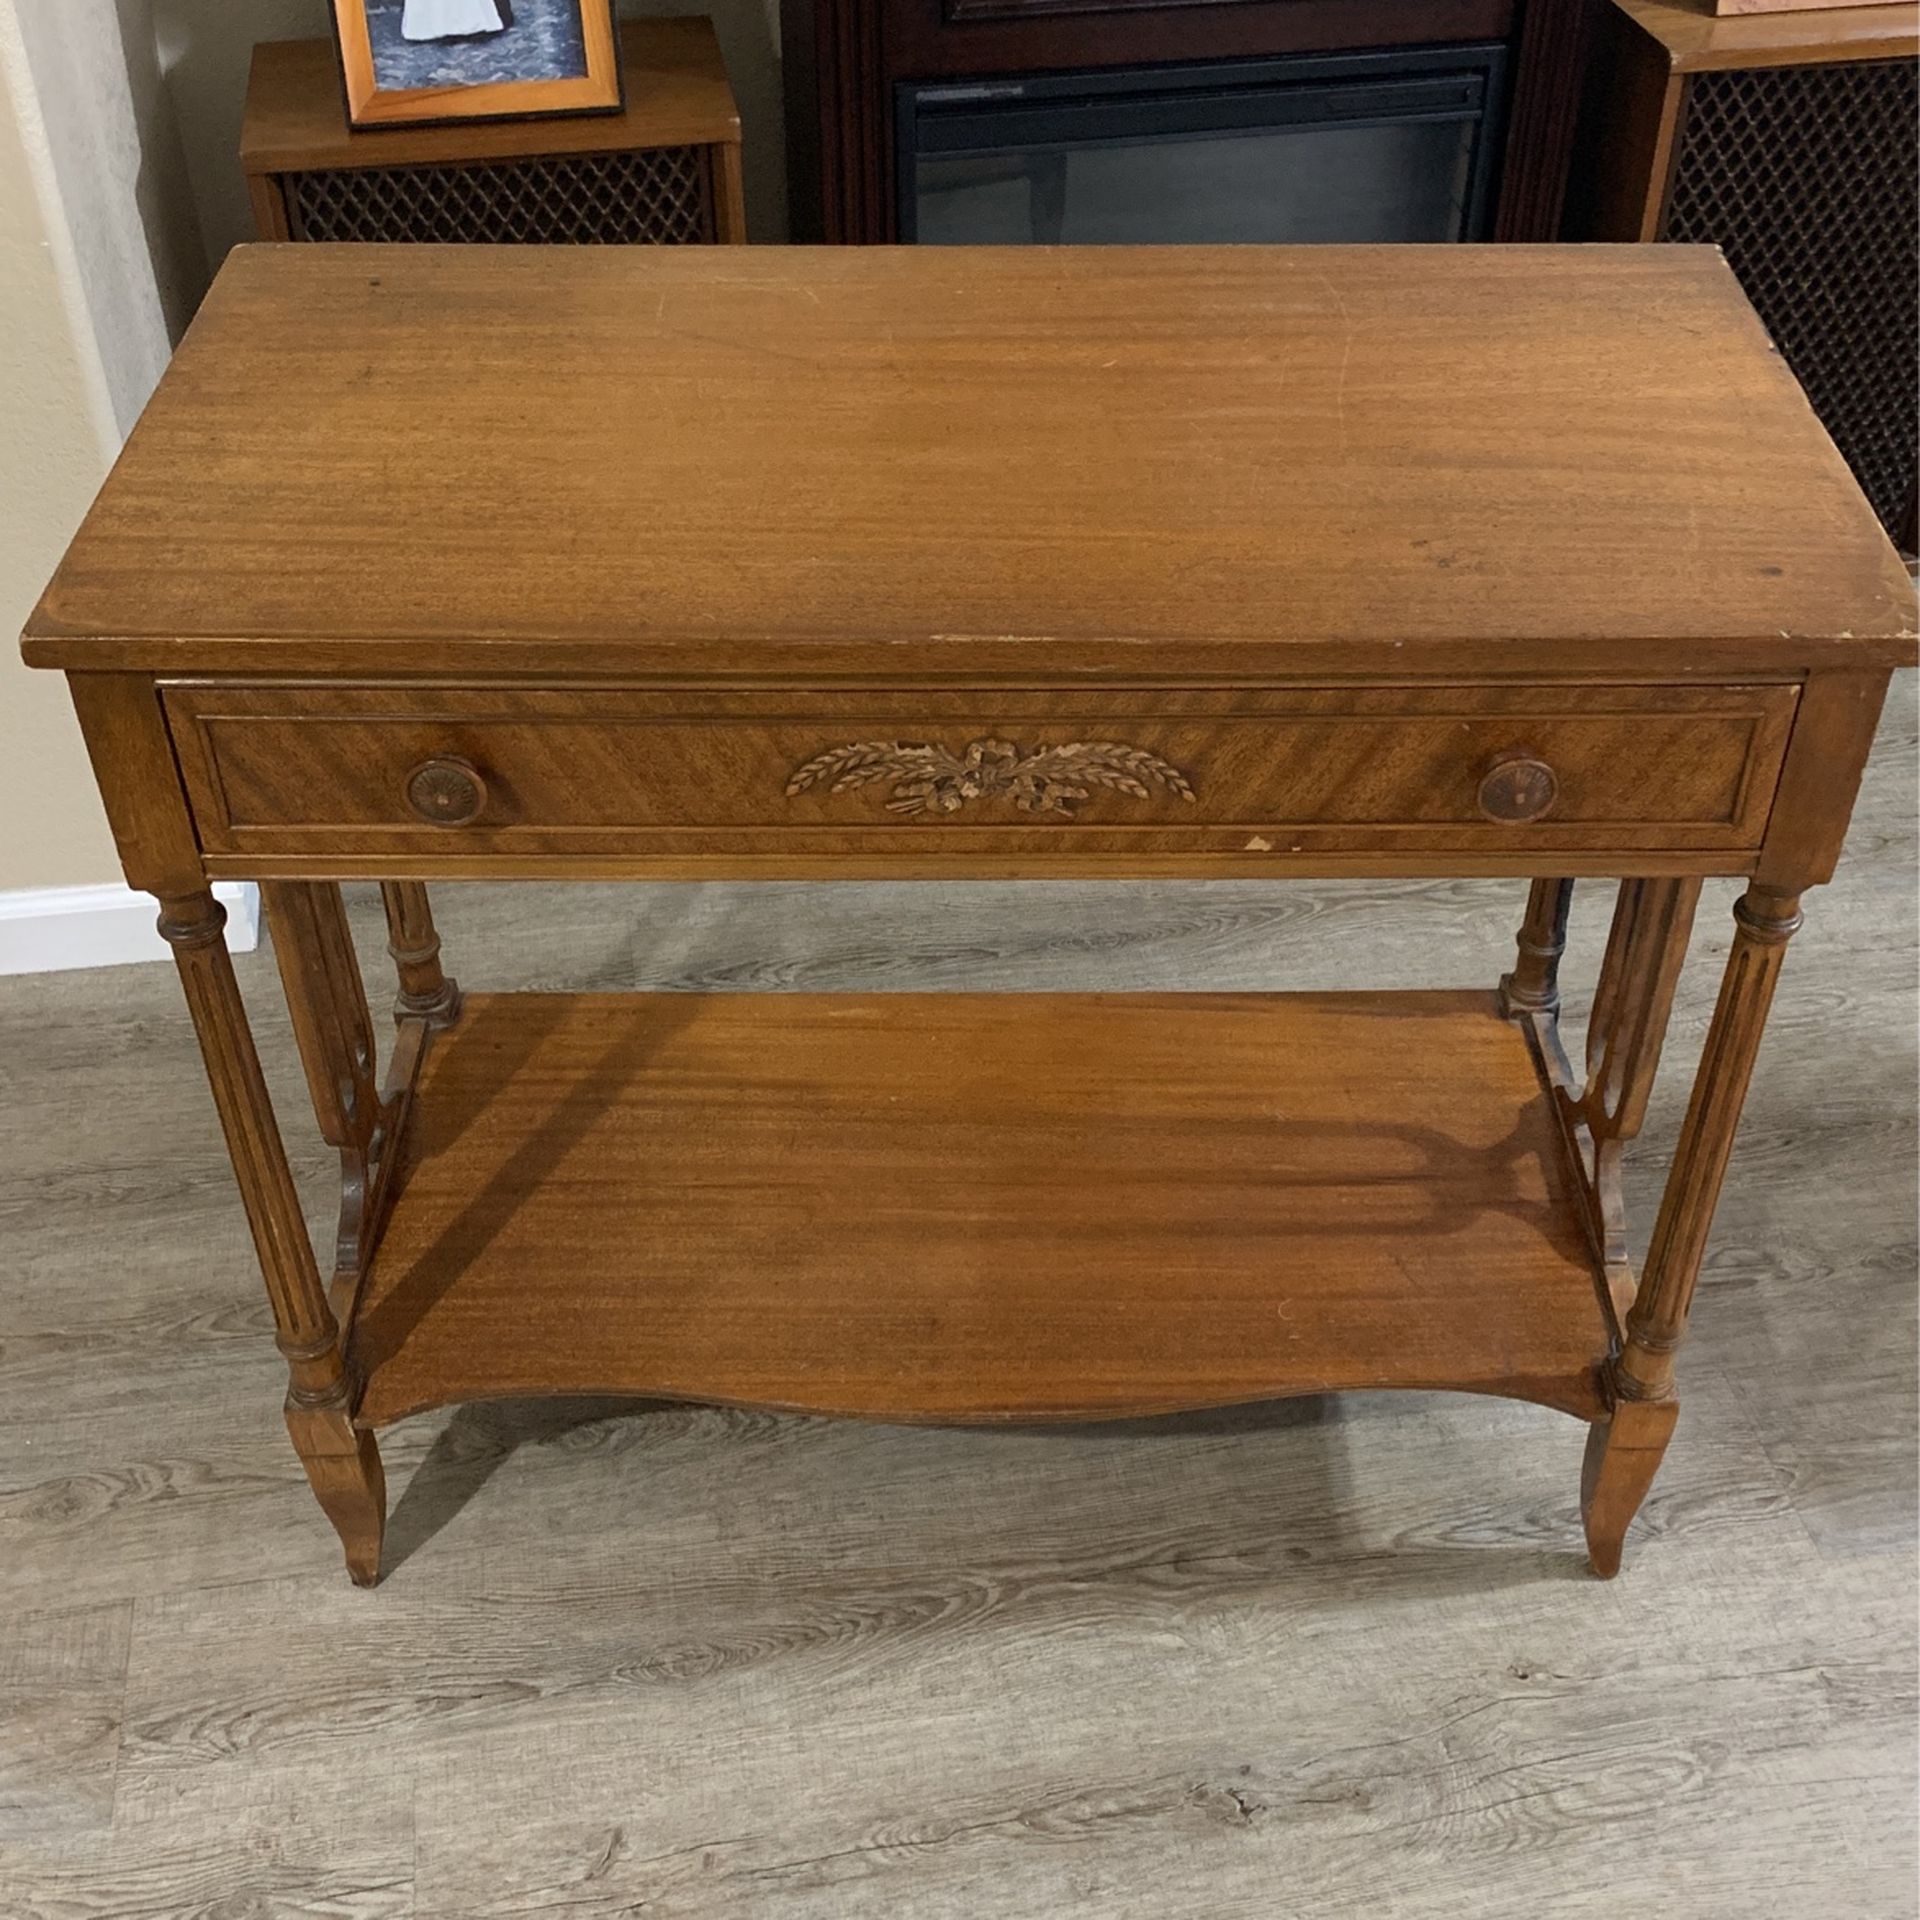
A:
(120, 187)
(101, 265)
(117, 166)
(204, 55)
(55, 427)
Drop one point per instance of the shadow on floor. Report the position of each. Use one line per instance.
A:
(482, 1436)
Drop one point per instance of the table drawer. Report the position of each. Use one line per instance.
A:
(405, 768)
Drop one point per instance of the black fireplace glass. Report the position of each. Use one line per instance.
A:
(1356, 148)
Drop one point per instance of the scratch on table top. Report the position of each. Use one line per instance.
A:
(1346, 360)
(1019, 640)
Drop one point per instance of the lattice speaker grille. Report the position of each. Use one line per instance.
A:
(1807, 177)
(660, 195)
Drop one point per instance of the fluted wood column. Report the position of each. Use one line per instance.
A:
(414, 942)
(1534, 984)
(342, 1465)
(1764, 923)
(1623, 1454)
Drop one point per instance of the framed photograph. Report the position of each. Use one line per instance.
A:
(409, 63)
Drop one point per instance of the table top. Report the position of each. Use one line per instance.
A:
(676, 87)
(914, 462)
(1697, 39)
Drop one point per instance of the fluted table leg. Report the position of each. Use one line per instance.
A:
(425, 991)
(1534, 984)
(1624, 1453)
(342, 1464)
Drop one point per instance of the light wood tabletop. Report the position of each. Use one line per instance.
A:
(911, 461)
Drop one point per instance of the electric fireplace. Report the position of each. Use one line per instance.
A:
(1392, 146)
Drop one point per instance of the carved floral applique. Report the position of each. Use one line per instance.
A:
(929, 779)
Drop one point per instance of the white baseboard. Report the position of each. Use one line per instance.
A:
(49, 929)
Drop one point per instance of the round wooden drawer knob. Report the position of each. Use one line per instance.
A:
(446, 792)
(1518, 788)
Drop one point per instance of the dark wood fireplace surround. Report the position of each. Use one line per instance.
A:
(843, 58)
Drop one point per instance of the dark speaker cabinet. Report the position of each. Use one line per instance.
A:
(1790, 141)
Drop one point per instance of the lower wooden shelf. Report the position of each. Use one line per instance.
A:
(980, 1207)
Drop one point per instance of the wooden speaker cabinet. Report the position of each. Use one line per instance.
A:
(665, 169)
(1788, 140)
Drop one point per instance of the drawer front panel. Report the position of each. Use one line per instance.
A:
(392, 769)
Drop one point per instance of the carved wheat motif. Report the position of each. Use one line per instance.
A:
(929, 779)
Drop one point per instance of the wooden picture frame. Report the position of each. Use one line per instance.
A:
(380, 90)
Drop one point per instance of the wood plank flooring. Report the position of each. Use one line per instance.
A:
(1323, 1658)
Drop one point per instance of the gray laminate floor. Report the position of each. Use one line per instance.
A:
(1318, 1659)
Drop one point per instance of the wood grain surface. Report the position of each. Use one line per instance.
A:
(277, 770)
(1331, 1656)
(979, 1207)
(1698, 39)
(1152, 463)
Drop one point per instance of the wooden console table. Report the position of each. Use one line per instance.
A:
(472, 563)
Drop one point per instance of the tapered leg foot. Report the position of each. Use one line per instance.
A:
(1623, 1455)
(343, 1467)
